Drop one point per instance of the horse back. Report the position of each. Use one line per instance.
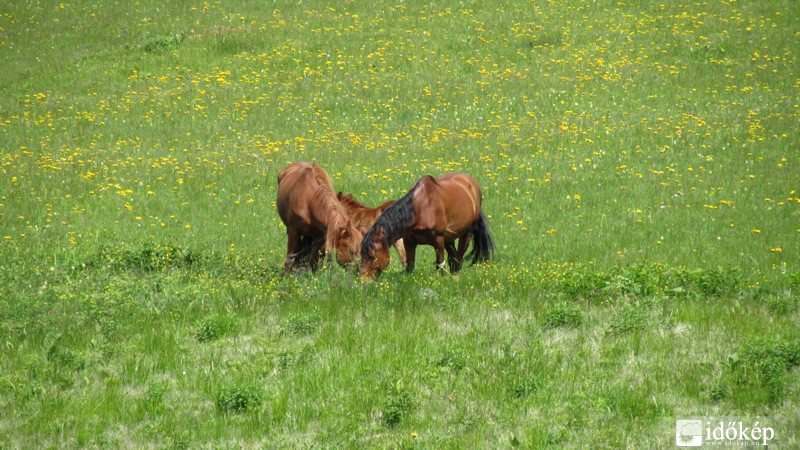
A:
(296, 186)
(450, 203)
(293, 169)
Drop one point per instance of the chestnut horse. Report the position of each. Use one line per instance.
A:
(363, 217)
(436, 212)
(316, 223)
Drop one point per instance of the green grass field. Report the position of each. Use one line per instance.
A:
(640, 167)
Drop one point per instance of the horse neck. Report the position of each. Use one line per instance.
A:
(365, 216)
(395, 226)
(331, 214)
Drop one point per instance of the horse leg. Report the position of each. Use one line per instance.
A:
(293, 239)
(463, 243)
(411, 254)
(440, 254)
(450, 247)
(316, 254)
(401, 250)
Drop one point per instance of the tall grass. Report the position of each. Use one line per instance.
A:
(638, 163)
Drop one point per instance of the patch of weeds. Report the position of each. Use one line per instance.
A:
(213, 327)
(180, 441)
(629, 319)
(794, 281)
(782, 304)
(65, 359)
(719, 391)
(453, 359)
(631, 403)
(763, 349)
(621, 286)
(625, 281)
(291, 358)
(396, 408)
(585, 285)
(710, 283)
(302, 324)
(559, 436)
(147, 258)
(64, 364)
(524, 386)
(152, 402)
(163, 43)
(563, 314)
(238, 398)
(398, 405)
(765, 363)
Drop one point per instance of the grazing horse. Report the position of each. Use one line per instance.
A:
(363, 217)
(436, 212)
(316, 223)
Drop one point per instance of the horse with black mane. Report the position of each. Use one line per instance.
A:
(436, 212)
(316, 222)
(363, 217)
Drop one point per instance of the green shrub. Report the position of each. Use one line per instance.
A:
(563, 314)
(213, 327)
(302, 323)
(238, 398)
(629, 319)
(764, 363)
(163, 43)
(398, 404)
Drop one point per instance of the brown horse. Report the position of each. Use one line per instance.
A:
(436, 212)
(363, 217)
(316, 223)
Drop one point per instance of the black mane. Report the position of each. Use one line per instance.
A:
(392, 221)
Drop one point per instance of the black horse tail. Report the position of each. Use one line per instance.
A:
(482, 243)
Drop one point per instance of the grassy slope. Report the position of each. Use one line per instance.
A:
(638, 162)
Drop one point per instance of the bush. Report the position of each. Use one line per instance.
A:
(238, 398)
(628, 319)
(214, 327)
(301, 324)
(563, 314)
(764, 364)
(398, 404)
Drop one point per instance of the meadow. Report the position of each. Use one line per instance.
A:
(639, 164)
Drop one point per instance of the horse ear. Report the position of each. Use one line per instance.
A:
(344, 233)
(339, 195)
(362, 229)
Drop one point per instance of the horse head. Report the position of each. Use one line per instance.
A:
(374, 254)
(346, 244)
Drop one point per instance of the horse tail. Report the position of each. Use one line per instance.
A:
(482, 243)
